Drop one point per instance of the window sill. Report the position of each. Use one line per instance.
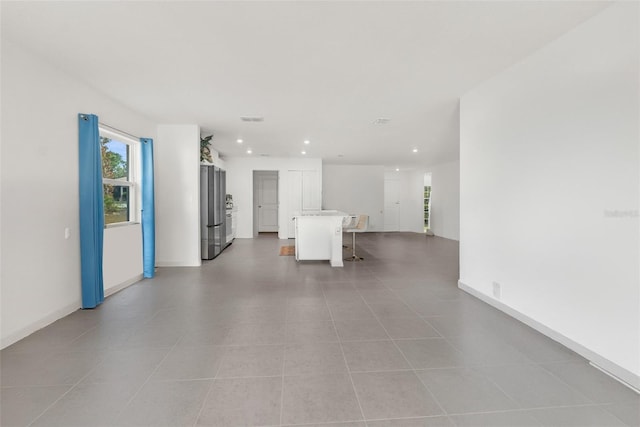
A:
(121, 224)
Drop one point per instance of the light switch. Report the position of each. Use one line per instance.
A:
(67, 233)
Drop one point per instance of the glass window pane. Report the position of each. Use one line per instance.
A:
(115, 158)
(116, 203)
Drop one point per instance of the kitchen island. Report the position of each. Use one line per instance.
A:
(318, 236)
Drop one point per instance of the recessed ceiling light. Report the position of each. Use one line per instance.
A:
(249, 151)
(304, 152)
(239, 141)
(415, 150)
(307, 142)
(397, 169)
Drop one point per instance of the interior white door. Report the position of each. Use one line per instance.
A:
(391, 205)
(268, 202)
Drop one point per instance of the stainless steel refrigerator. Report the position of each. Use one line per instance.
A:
(212, 211)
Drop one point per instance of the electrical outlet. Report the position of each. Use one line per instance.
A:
(497, 290)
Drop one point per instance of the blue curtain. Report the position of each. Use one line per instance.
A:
(91, 211)
(148, 209)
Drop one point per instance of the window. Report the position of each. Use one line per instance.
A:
(118, 177)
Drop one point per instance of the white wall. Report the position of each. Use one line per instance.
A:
(122, 257)
(240, 185)
(177, 182)
(40, 271)
(355, 189)
(549, 150)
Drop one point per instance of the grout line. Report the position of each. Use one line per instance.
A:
(405, 358)
(284, 360)
(62, 395)
(344, 357)
(148, 378)
(215, 377)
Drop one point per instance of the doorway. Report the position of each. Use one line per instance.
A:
(427, 202)
(265, 202)
(391, 205)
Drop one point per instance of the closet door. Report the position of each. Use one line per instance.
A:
(295, 200)
(311, 194)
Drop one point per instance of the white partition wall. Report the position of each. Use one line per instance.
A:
(549, 190)
(177, 158)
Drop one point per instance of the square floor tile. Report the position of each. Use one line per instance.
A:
(392, 308)
(354, 424)
(300, 312)
(597, 386)
(243, 402)
(252, 361)
(17, 369)
(373, 356)
(169, 403)
(318, 358)
(318, 399)
(380, 295)
(448, 326)
(204, 336)
(393, 394)
(187, 363)
(21, 405)
(343, 310)
(577, 416)
(255, 333)
(497, 419)
(464, 390)
(403, 328)
(89, 405)
(437, 421)
(152, 335)
(629, 413)
(130, 365)
(486, 349)
(360, 330)
(430, 353)
(533, 387)
(57, 369)
(538, 347)
(310, 332)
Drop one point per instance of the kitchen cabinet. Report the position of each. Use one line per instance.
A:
(318, 236)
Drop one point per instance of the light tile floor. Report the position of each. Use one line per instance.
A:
(256, 339)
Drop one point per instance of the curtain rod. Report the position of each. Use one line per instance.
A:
(116, 130)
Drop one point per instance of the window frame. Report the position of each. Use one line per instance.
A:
(133, 180)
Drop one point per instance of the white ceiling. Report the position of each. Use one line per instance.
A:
(316, 70)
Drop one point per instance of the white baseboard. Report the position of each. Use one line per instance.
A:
(117, 288)
(177, 264)
(59, 314)
(612, 369)
(39, 324)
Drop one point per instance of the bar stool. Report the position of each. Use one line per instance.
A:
(355, 224)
